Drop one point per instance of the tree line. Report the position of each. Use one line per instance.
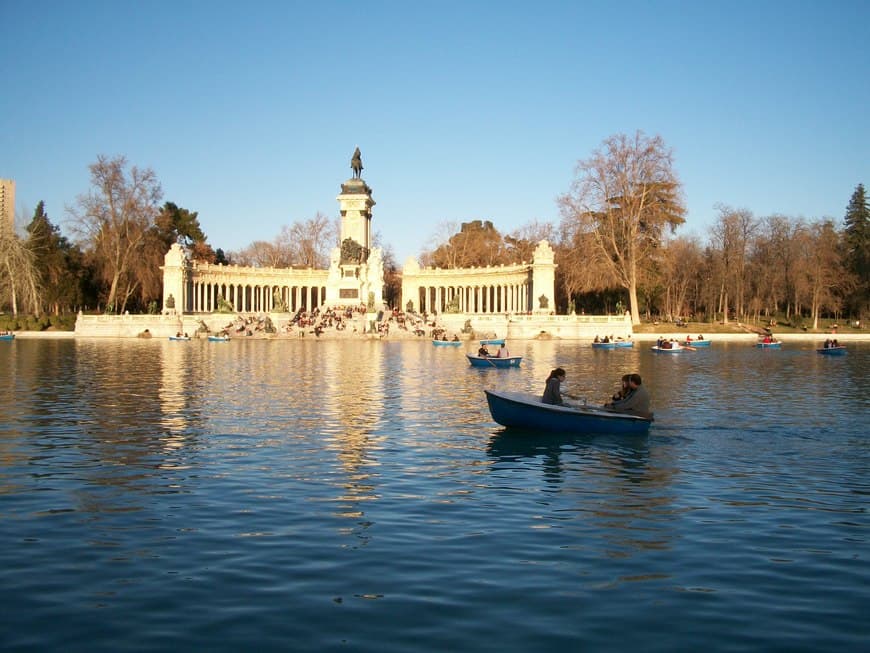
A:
(616, 248)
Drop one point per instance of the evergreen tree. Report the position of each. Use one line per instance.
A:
(857, 237)
(58, 265)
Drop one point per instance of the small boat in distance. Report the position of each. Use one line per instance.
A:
(447, 343)
(695, 343)
(832, 350)
(7, 336)
(611, 344)
(527, 411)
(493, 361)
(769, 344)
(180, 338)
(218, 338)
(493, 341)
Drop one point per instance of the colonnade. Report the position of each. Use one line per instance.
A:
(205, 297)
(506, 297)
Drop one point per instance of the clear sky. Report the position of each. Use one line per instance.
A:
(249, 112)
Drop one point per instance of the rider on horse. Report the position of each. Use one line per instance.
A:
(356, 164)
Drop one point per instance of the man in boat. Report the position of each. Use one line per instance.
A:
(636, 400)
(503, 351)
(483, 352)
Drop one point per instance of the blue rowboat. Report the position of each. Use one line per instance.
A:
(219, 338)
(7, 336)
(839, 350)
(527, 411)
(695, 343)
(612, 344)
(493, 341)
(447, 343)
(493, 361)
(769, 345)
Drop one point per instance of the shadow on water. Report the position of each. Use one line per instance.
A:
(514, 444)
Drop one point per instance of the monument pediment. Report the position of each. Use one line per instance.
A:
(355, 187)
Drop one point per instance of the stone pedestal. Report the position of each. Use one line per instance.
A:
(356, 279)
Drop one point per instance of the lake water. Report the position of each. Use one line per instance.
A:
(357, 496)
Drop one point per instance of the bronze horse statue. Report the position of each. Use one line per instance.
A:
(356, 164)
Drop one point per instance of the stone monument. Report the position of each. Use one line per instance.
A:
(355, 264)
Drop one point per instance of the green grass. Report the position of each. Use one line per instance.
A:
(825, 326)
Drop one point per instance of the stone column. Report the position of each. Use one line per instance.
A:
(174, 269)
(543, 279)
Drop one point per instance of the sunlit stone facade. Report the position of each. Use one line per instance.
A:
(356, 277)
(505, 289)
(7, 205)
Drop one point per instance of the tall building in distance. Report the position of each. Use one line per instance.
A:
(7, 205)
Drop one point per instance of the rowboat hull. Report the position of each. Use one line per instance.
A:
(522, 410)
(180, 338)
(219, 338)
(832, 351)
(7, 336)
(493, 341)
(618, 344)
(447, 343)
(492, 361)
(670, 350)
(768, 345)
(696, 343)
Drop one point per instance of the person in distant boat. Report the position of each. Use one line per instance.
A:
(483, 351)
(597, 339)
(455, 337)
(636, 402)
(700, 337)
(503, 351)
(553, 388)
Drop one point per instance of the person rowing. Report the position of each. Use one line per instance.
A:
(553, 390)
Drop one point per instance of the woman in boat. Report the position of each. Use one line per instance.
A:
(622, 393)
(553, 388)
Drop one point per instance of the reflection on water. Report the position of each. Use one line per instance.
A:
(209, 496)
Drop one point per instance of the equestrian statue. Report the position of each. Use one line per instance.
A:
(356, 164)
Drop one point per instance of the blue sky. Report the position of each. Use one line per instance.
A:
(249, 112)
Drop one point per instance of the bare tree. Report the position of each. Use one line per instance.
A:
(476, 243)
(19, 281)
(682, 262)
(113, 219)
(733, 234)
(312, 241)
(582, 265)
(521, 242)
(627, 193)
(823, 268)
(444, 231)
